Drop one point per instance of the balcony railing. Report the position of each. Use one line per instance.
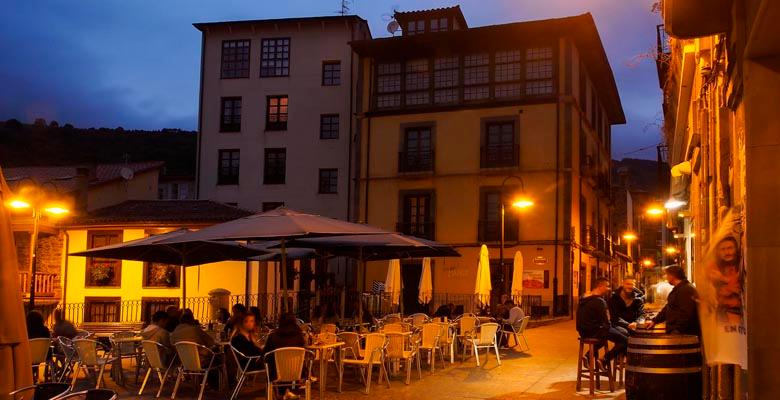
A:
(415, 161)
(44, 284)
(499, 156)
(490, 230)
(425, 230)
(663, 54)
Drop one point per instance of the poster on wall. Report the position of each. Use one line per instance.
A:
(721, 286)
(533, 279)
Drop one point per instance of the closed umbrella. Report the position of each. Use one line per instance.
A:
(169, 248)
(393, 281)
(425, 290)
(517, 278)
(14, 347)
(483, 286)
(281, 224)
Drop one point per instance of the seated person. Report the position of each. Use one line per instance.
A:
(36, 329)
(516, 315)
(174, 314)
(243, 341)
(626, 306)
(189, 331)
(593, 322)
(63, 327)
(156, 331)
(288, 334)
(444, 310)
(238, 311)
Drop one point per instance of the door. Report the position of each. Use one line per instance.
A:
(410, 276)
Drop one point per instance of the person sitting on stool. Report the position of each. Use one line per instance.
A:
(680, 312)
(593, 321)
(626, 306)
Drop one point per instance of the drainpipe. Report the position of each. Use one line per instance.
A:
(64, 278)
(351, 114)
(368, 143)
(200, 113)
(557, 201)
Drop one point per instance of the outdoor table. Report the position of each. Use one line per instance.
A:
(116, 369)
(321, 349)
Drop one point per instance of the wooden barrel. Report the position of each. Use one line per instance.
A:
(663, 367)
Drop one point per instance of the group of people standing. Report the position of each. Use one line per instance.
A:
(615, 315)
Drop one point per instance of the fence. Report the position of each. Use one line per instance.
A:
(301, 303)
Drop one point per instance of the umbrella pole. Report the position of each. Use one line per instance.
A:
(284, 276)
(183, 286)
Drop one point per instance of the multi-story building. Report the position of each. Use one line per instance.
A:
(720, 74)
(276, 109)
(455, 120)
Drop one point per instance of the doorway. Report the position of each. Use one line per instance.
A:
(410, 276)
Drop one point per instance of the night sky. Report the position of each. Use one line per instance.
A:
(136, 63)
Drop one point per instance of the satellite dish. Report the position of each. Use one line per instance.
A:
(126, 173)
(393, 27)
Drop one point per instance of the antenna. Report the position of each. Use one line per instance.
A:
(344, 9)
(127, 173)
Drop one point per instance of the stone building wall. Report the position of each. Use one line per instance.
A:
(49, 256)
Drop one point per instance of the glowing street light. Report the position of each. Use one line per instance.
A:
(671, 250)
(18, 204)
(630, 236)
(647, 263)
(523, 203)
(674, 204)
(655, 211)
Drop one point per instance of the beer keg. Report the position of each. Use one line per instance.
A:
(663, 367)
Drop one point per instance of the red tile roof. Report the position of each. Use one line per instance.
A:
(64, 178)
(147, 212)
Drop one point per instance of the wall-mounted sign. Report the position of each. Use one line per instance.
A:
(540, 260)
(533, 279)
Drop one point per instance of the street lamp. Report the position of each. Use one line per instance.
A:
(522, 202)
(35, 200)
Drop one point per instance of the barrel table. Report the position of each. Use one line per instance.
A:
(663, 367)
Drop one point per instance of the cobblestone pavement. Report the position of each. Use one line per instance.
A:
(547, 371)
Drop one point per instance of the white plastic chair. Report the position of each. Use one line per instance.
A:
(89, 357)
(518, 331)
(189, 354)
(430, 342)
(485, 338)
(156, 360)
(446, 341)
(245, 367)
(289, 363)
(373, 355)
(39, 354)
(467, 325)
(329, 328)
(418, 319)
(398, 350)
(351, 344)
(66, 357)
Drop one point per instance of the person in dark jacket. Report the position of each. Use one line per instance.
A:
(288, 334)
(242, 341)
(593, 321)
(626, 306)
(36, 329)
(680, 312)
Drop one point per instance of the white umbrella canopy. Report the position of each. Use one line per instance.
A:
(517, 278)
(393, 281)
(425, 290)
(483, 286)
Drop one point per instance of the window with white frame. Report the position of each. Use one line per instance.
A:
(418, 81)
(388, 85)
(476, 76)
(539, 71)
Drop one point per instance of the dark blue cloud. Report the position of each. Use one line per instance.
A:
(135, 63)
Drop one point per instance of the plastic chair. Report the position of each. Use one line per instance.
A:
(394, 327)
(39, 354)
(82, 334)
(391, 318)
(329, 328)
(446, 341)
(467, 325)
(189, 354)
(65, 357)
(90, 394)
(156, 360)
(41, 391)
(124, 349)
(289, 363)
(373, 354)
(245, 369)
(518, 331)
(485, 338)
(430, 342)
(397, 350)
(351, 344)
(89, 358)
(418, 319)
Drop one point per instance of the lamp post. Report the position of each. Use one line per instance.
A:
(630, 237)
(34, 199)
(521, 202)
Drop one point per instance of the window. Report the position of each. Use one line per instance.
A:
(417, 215)
(235, 59)
(417, 152)
(103, 272)
(101, 309)
(418, 81)
(499, 148)
(490, 218)
(439, 25)
(150, 305)
(228, 167)
(415, 27)
(329, 126)
(157, 275)
(329, 180)
(539, 71)
(275, 165)
(231, 115)
(388, 85)
(476, 76)
(331, 73)
(276, 113)
(275, 57)
(272, 205)
(445, 79)
(508, 74)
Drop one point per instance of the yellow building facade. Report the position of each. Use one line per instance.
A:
(453, 121)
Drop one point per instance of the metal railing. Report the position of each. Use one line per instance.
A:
(44, 284)
(490, 230)
(416, 161)
(425, 230)
(499, 156)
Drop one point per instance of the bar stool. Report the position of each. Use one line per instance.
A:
(590, 371)
(619, 370)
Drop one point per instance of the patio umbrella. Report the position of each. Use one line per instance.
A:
(281, 224)
(393, 281)
(385, 246)
(425, 290)
(14, 347)
(483, 286)
(517, 278)
(168, 248)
